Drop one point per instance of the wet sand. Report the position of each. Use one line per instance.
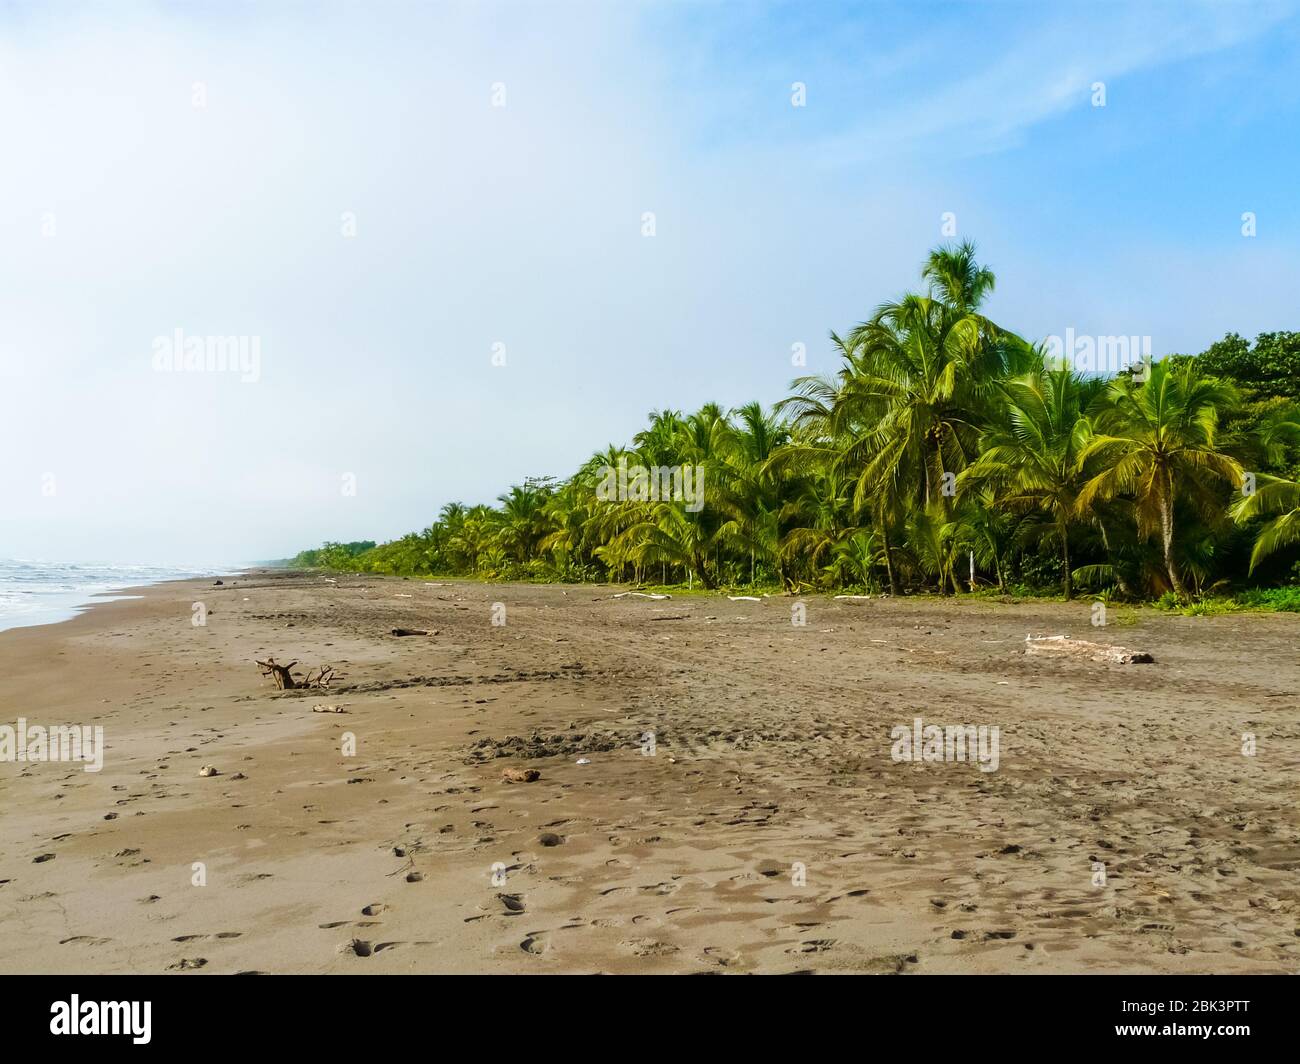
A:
(767, 829)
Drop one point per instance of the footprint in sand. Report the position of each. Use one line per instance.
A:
(648, 947)
(186, 964)
(512, 903)
(813, 945)
(219, 934)
(721, 957)
(536, 944)
(374, 909)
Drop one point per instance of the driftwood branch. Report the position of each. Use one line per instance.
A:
(286, 681)
(321, 678)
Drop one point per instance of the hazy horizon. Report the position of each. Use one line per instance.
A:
(377, 195)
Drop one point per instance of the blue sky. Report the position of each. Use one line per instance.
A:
(129, 212)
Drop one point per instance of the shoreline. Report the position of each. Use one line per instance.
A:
(771, 751)
(61, 606)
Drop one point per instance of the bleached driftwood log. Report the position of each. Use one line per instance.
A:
(1081, 649)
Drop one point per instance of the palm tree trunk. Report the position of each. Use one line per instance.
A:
(1167, 541)
(1114, 568)
(1066, 581)
(889, 561)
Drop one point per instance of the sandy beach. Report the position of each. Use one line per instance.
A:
(764, 827)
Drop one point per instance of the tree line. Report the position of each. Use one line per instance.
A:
(948, 454)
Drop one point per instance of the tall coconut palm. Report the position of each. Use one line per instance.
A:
(957, 279)
(920, 377)
(1157, 442)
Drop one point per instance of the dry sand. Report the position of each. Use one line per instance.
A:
(772, 750)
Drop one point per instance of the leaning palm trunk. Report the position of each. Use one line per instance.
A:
(1167, 541)
(889, 561)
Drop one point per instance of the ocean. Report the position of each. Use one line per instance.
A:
(34, 592)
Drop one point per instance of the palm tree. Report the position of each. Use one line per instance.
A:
(672, 536)
(1030, 458)
(752, 487)
(565, 515)
(856, 556)
(661, 443)
(920, 377)
(929, 544)
(957, 279)
(1158, 443)
(1274, 496)
(521, 520)
(817, 515)
(983, 530)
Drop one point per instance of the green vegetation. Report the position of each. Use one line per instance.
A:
(946, 454)
(334, 555)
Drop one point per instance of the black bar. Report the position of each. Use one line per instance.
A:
(407, 1013)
